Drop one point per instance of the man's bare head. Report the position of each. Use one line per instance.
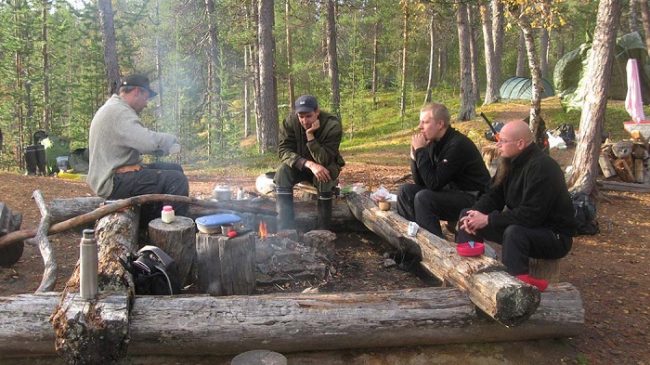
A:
(514, 137)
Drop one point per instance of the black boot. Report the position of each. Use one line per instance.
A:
(284, 206)
(324, 210)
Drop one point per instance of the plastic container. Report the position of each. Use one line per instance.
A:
(465, 249)
(167, 215)
(88, 265)
(212, 223)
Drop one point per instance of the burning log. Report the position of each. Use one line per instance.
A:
(204, 325)
(498, 294)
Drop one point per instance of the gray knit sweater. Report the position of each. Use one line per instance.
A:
(118, 138)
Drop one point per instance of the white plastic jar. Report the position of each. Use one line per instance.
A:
(167, 215)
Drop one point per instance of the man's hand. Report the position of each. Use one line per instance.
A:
(322, 174)
(310, 132)
(418, 141)
(473, 221)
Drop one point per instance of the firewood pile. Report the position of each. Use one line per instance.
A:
(627, 160)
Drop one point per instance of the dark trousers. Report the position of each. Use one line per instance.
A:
(155, 178)
(519, 243)
(286, 177)
(427, 207)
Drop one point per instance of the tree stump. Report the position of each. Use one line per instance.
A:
(545, 269)
(177, 239)
(226, 266)
(259, 357)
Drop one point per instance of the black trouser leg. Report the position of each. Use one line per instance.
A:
(30, 160)
(519, 243)
(41, 161)
(284, 206)
(324, 210)
(431, 206)
(406, 200)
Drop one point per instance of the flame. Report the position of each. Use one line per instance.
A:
(262, 230)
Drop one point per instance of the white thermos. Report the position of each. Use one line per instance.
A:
(88, 265)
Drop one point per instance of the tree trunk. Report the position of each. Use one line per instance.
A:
(110, 45)
(268, 97)
(585, 160)
(253, 18)
(206, 325)
(375, 55)
(497, 293)
(467, 109)
(544, 41)
(177, 239)
(214, 83)
(96, 331)
(536, 123)
(632, 15)
(247, 102)
(287, 28)
(521, 56)
(159, 69)
(644, 8)
(473, 51)
(332, 58)
(497, 38)
(45, 119)
(492, 87)
(432, 47)
(405, 42)
(442, 62)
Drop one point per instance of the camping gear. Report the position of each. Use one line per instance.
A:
(493, 133)
(54, 147)
(516, 88)
(570, 71)
(212, 223)
(62, 163)
(155, 272)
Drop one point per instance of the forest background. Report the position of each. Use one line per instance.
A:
(206, 59)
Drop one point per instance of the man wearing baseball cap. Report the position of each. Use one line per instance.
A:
(309, 150)
(117, 139)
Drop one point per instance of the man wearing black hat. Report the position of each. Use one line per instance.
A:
(116, 141)
(309, 150)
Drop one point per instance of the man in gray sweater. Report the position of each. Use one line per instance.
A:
(116, 142)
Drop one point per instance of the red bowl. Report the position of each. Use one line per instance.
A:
(464, 249)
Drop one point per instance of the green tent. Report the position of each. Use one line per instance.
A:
(521, 88)
(570, 70)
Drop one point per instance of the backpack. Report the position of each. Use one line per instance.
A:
(585, 214)
(155, 272)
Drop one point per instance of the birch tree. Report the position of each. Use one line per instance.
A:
(492, 86)
(332, 58)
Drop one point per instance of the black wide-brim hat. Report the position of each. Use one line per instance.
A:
(140, 81)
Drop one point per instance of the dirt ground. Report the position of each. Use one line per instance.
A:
(610, 269)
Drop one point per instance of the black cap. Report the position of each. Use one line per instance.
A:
(139, 80)
(306, 104)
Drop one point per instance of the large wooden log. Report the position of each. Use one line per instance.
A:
(204, 325)
(622, 186)
(178, 240)
(498, 294)
(96, 331)
(226, 266)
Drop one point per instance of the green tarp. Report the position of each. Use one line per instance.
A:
(521, 88)
(570, 70)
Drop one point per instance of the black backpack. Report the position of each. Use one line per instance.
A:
(155, 272)
(585, 214)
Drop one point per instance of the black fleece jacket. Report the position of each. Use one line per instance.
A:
(534, 193)
(454, 163)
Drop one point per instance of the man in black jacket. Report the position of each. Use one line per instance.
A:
(528, 209)
(448, 171)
